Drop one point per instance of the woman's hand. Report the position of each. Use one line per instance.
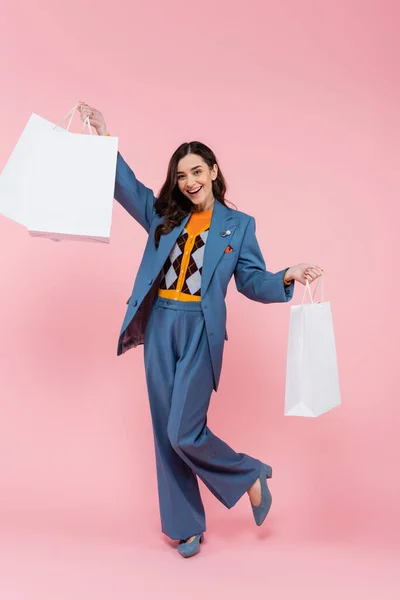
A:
(303, 272)
(96, 119)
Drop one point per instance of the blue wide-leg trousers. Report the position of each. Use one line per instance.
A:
(180, 383)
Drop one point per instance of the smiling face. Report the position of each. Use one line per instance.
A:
(194, 178)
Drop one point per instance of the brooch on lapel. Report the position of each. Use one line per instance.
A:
(229, 249)
(228, 231)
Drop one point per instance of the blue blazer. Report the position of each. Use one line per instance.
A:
(246, 263)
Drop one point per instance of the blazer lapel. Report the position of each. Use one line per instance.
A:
(221, 222)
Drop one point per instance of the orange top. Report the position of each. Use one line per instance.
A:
(199, 219)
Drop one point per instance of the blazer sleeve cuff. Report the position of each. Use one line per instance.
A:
(287, 290)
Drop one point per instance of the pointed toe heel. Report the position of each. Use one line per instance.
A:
(187, 549)
(261, 511)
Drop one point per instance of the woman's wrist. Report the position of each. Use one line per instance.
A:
(102, 131)
(287, 279)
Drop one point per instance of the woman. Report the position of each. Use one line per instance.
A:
(177, 310)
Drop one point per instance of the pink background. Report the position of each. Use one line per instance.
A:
(300, 102)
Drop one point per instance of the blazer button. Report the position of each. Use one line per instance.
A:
(150, 281)
(134, 302)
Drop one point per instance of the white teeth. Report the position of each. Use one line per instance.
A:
(195, 191)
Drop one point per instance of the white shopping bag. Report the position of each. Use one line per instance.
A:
(61, 184)
(16, 176)
(312, 381)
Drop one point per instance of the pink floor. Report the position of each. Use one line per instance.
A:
(237, 559)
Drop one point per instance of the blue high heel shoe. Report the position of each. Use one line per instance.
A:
(261, 511)
(187, 549)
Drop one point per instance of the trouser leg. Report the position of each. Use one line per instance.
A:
(181, 508)
(226, 473)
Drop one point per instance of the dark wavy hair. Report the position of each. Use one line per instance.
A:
(171, 203)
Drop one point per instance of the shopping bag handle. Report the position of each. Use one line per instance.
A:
(307, 287)
(71, 114)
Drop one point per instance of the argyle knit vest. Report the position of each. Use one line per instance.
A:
(181, 272)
